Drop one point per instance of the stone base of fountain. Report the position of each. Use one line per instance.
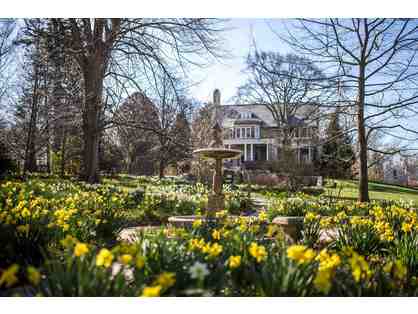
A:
(216, 202)
(187, 221)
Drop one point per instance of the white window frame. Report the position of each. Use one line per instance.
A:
(257, 132)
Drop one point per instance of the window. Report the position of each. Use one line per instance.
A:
(245, 132)
(246, 115)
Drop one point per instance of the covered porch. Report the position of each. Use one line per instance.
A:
(253, 152)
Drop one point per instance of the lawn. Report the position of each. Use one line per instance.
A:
(377, 191)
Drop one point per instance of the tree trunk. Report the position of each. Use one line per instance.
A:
(48, 148)
(363, 175)
(30, 151)
(161, 169)
(93, 81)
(63, 152)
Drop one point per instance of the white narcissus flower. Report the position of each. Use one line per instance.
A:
(198, 271)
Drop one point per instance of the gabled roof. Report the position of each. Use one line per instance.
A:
(260, 114)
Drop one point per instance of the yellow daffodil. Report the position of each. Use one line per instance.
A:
(399, 270)
(262, 215)
(151, 291)
(8, 276)
(68, 241)
(258, 252)
(213, 250)
(322, 280)
(80, 249)
(126, 259)
(234, 261)
(216, 235)
(310, 216)
(406, 227)
(25, 213)
(197, 223)
(165, 280)
(104, 258)
(359, 267)
(34, 276)
(327, 264)
(300, 254)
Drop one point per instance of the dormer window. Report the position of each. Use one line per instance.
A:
(246, 115)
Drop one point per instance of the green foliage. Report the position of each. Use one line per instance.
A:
(362, 238)
(337, 155)
(405, 248)
(311, 231)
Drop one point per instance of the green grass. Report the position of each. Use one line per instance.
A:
(377, 191)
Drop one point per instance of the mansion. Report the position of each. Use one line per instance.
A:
(252, 129)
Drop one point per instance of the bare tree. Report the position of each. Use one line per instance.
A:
(7, 29)
(375, 62)
(113, 46)
(137, 123)
(163, 120)
(284, 84)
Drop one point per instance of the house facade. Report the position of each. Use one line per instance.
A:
(252, 129)
(401, 173)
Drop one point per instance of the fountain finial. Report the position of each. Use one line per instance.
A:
(216, 132)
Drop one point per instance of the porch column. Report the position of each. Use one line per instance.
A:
(298, 149)
(252, 152)
(245, 152)
(267, 152)
(309, 154)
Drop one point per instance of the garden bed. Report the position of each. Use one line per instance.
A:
(61, 238)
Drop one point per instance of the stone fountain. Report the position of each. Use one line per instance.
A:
(216, 152)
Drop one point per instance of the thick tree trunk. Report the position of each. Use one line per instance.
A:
(363, 175)
(93, 80)
(91, 147)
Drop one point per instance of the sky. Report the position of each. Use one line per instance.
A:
(226, 74)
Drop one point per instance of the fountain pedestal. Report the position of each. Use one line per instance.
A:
(216, 200)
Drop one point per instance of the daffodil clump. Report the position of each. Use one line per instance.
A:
(35, 215)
